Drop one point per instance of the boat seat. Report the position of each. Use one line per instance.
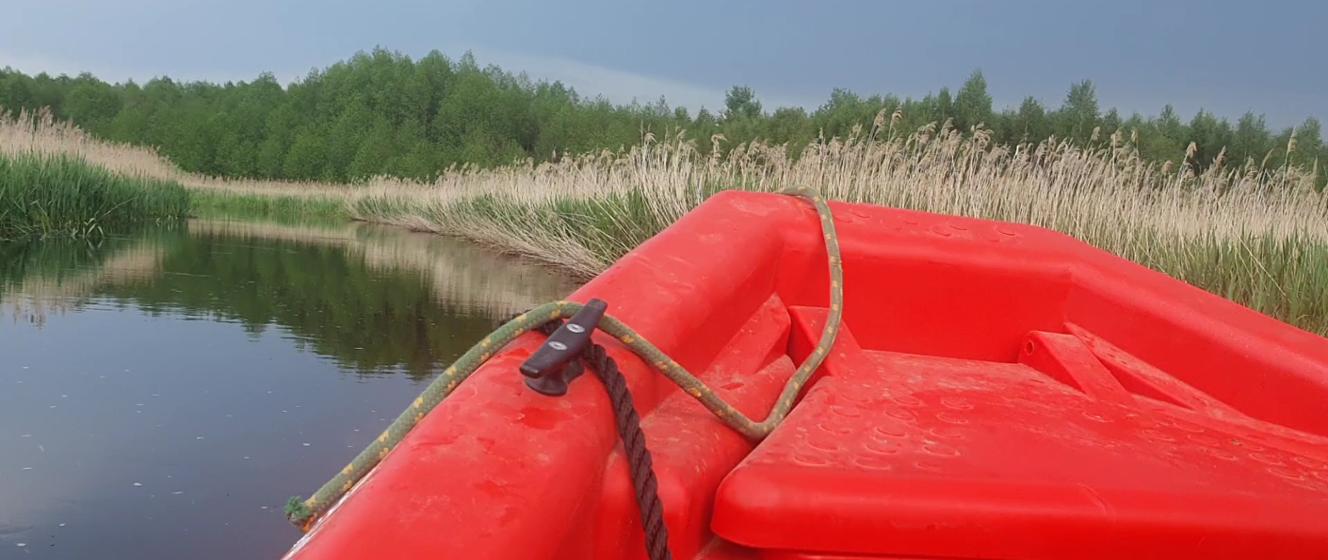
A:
(904, 455)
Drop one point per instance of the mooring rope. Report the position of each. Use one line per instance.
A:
(303, 513)
(639, 463)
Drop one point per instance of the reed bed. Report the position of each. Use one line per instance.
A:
(57, 195)
(40, 133)
(1256, 235)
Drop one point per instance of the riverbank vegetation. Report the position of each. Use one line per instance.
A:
(40, 134)
(1255, 235)
(383, 113)
(224, 204)
(1254, 230)
(58, 195)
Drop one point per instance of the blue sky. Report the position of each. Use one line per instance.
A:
(1227, 57)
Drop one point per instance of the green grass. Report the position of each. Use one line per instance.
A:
(222, 204)
(45, 196)
(1286, 279)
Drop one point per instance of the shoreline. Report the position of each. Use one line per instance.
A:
(1252, 235)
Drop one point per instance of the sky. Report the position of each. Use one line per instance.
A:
(1223, 56)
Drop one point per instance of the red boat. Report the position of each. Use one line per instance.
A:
(997, 391)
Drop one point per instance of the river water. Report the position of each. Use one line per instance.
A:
(162, 395)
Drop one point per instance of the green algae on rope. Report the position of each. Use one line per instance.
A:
(302, 513)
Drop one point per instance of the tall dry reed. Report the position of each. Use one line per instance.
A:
(1256, 235)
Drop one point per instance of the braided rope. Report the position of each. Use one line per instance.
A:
(303, 513)
(634, 446)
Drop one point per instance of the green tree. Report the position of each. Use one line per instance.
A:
(307, 158)
(382, 112)
(1164, 139)
(944, 105)
(1251, 139)
(741, 103)
(973, 103)
(1209, 135)
(91, 102)
(790, 125)
(1033, 122)
(1111, 122)
(1078, 116)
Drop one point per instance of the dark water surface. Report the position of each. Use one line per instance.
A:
(162, 395)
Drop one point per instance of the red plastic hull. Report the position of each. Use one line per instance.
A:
(1000, 391)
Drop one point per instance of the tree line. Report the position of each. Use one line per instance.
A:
(383, 113)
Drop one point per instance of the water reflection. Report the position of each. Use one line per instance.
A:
(367, 295)
(162, 394)
(54, 276)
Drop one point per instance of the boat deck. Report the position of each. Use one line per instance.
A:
(999, 391)
(1049, 456)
